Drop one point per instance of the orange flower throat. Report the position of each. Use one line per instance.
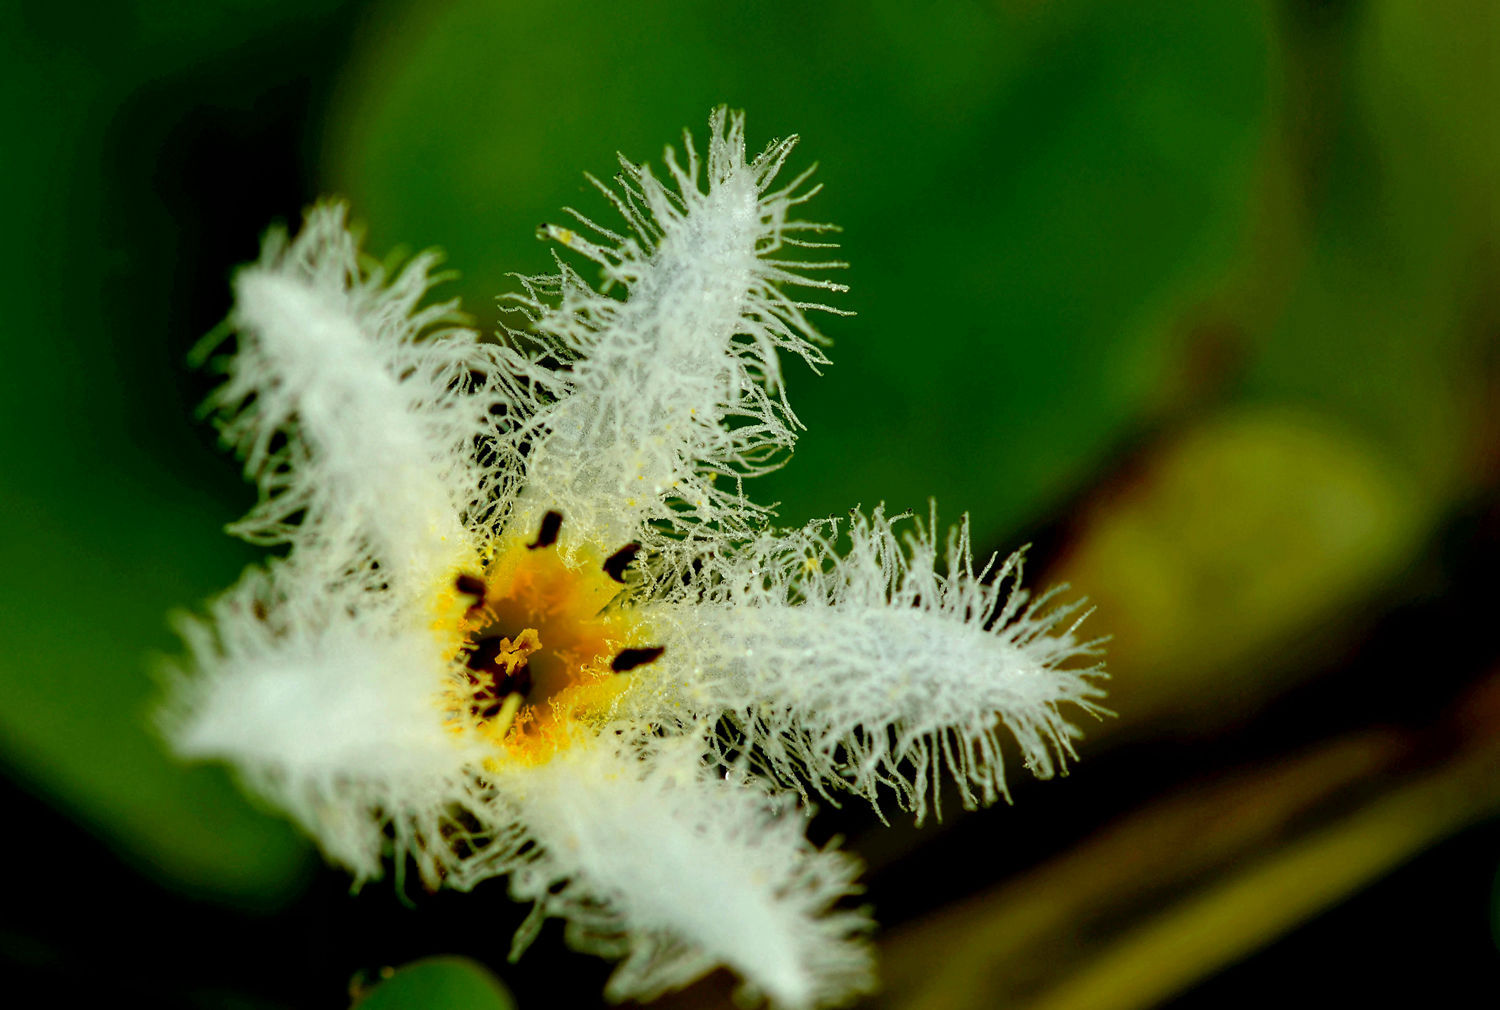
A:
(541, 648)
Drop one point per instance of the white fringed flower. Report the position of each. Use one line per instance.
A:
(528, 614)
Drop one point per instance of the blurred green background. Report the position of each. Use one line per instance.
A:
(1199, 299)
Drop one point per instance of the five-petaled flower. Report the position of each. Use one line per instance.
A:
(527, 623)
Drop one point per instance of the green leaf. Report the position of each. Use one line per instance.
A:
(1389, 319)
(1237, 546)
(76, 694)
(438, 983)
(113, 505)
(1026, 191)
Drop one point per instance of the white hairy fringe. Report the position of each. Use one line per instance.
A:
(676, 385)
(332, 717)
(874, 669)
(357, 411)
(653, 859)
(389, 448)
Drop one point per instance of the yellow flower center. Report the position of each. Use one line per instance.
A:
(541, 651)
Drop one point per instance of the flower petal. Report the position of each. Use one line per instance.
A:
(678, 383)
(360, 435)
(655, 860)
(333, 718)
(874, 668)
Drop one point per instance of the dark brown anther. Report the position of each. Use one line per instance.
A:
(547, 535)
(616, 563)
(470, 585)
(629, 659)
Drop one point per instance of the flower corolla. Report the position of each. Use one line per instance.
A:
(525, 621)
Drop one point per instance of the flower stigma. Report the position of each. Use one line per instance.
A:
(541, 647)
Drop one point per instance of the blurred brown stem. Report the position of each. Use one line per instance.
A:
(1193, 882)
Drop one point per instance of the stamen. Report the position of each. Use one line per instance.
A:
(629, 659)
(470, 585)
(538, 642)
(616, 563)
(547, 535)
